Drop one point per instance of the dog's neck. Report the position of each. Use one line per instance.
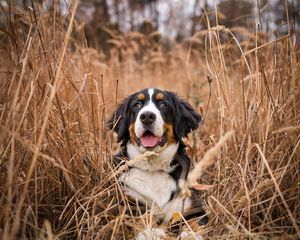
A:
(161, 163)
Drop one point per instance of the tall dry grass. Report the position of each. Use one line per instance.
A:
(56, 170)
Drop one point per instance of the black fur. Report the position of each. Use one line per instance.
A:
(187, 119)
(182, 163)
(181, 114)
(178, 113)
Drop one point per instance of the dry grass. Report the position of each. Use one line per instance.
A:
(56, 155)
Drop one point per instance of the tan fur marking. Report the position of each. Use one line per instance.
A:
(131, 133)
(169, 133)
(159, 96)
(141, 96)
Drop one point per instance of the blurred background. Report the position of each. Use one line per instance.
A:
(181, 19)
(174, 19)
(132, 37)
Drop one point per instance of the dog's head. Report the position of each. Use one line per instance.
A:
(152, 119)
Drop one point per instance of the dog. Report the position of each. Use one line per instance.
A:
(154, 120)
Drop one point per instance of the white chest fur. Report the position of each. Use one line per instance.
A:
(155, 185)
(149, 181)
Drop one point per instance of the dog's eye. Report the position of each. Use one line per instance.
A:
(162, 105)
(138, 105)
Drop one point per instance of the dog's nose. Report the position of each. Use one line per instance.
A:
(147, 118)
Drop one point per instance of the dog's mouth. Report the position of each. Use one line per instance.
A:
(150, 141)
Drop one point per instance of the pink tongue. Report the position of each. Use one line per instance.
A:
(149, 141)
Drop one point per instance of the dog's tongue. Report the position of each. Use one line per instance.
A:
(149, 140)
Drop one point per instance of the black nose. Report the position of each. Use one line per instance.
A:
(147, 118)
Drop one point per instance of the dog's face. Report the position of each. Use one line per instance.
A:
(153, 119)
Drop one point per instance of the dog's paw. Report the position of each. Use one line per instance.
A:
(187, 235)
(151, 234)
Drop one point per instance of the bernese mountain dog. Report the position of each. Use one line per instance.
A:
(155, 120)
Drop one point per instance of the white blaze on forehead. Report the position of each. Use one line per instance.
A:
(150, 92)
(158, 124)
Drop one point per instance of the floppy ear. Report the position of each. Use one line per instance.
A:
(119, 120)
(186, 119)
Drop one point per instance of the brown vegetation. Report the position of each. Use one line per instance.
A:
(56, 172)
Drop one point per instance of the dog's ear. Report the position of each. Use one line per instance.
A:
(186, 119)
(119, 120)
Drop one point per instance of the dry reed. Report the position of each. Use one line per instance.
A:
(57, 176)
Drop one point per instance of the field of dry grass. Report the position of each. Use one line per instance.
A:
(56, 174)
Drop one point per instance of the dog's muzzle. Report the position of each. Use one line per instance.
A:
(150, 141)
(147, 118)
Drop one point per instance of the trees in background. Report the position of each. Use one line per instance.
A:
(176, 19)
(180, 19)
